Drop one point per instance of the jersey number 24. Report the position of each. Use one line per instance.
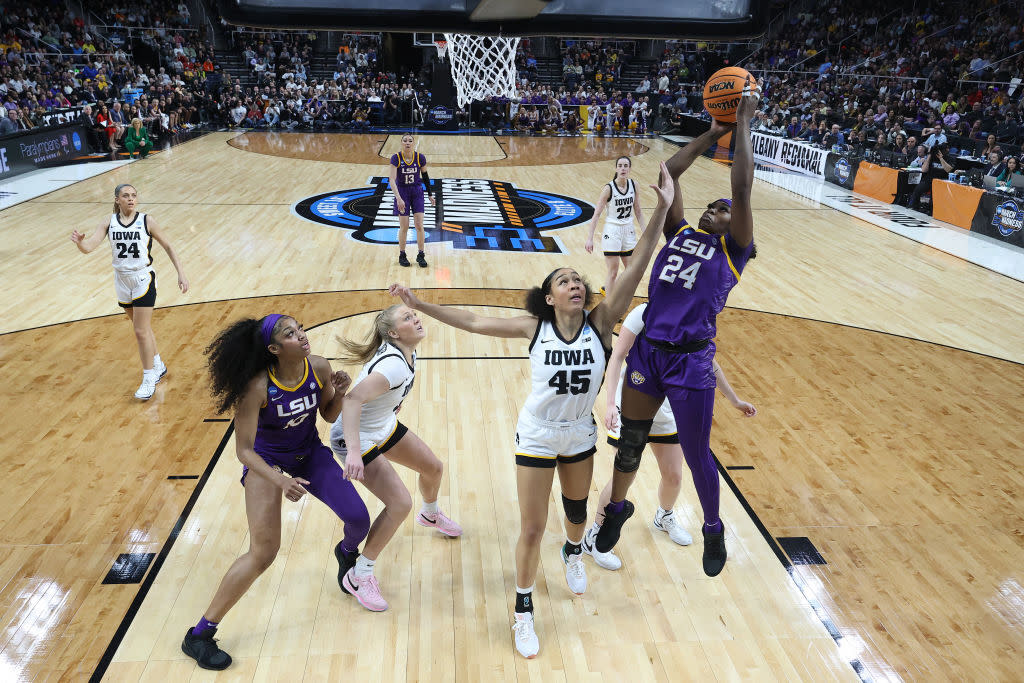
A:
(124, 250)
(671, 271)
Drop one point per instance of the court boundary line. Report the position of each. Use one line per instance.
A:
(507, 289)
(154, 570)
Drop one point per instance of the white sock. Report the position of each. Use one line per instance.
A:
(596, 527)
(148, 373)
(430, 509)
(524, 591)
(364, 567)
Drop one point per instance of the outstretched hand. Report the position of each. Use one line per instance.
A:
(405, 294)
(77, 237)
(748, 101)
(665, 188)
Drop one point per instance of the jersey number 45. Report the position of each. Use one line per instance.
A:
(577, 383)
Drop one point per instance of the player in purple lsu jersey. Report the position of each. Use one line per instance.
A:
(673, 357)
(262, 369)
(409, 180)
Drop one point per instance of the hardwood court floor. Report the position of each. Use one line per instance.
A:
(893, 454)
(440, 150)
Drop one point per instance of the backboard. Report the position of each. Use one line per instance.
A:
(692, 19)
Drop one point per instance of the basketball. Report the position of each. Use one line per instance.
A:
(722, 92)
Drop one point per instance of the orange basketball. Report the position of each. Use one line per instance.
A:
(722, 92)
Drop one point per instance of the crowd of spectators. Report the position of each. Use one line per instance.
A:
(51, 62)
(907, 72)
(874, 76)
(287, 95)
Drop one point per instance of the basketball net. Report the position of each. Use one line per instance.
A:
(442, 48)
(482, 66)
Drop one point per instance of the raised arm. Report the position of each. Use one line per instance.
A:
(519, 326)
(158, 235)
(87, 244)
(602, 203)
(609, 311)
(741, 226)
(613, 374)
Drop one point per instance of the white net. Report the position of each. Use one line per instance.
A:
(482, 66)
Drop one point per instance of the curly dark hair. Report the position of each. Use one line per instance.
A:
(234, 358)
(536, 305)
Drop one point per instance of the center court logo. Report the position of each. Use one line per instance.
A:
(477, 214)
(1008, 218)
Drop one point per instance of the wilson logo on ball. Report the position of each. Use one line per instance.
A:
(724, 105)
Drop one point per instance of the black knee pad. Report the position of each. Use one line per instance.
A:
(575, 510)
(632, 439)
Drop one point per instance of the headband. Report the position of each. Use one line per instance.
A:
(727, 202)
(267, 327)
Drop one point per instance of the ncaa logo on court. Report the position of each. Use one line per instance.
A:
(470, 213)
(1008, 218)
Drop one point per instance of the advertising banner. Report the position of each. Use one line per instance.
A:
(32, 150)
(840, 170)
(790, 154)
(1001, 217)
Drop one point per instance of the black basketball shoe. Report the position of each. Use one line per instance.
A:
(403, 260)
(421, 260)
(608, 536)
(714, 552)
(346, 560)
(203, 648)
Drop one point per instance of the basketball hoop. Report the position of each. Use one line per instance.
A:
(442, 48)
(482, 66)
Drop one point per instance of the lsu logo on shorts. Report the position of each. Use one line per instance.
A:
(636, 378)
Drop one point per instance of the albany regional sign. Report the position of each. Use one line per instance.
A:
(790, 154)
(470, 213)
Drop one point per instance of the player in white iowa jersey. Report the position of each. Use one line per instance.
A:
(618, 238)
(369, 437)
(556, 427)
(131, 238)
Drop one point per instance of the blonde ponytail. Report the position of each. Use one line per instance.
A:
(362, 352)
